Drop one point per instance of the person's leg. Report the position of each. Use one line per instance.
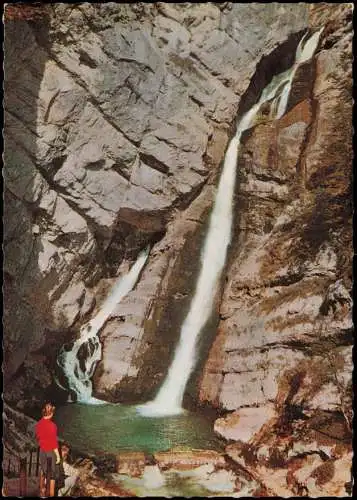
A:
(43, 465)
(42, 484)
(52, 487)
(53, 474)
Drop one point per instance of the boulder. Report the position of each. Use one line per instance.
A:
(243, 424)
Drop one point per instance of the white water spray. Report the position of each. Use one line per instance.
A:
(169, 398)
(78, 363)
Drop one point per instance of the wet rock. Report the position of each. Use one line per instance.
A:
(205, 479)
(89, 485)
(105, 463)
(131, 463)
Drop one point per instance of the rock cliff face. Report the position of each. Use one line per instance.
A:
(286, 303)
(285, 330)
(117, 120)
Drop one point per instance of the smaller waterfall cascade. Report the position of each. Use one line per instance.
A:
(213, 256)
(304, 52)
(78, 364)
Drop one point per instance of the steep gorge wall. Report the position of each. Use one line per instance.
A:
(287, 302)
(117, 118)
(280, 368)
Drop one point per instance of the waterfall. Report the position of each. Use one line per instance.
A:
(303, 53)
(78, 363)
(169, 398)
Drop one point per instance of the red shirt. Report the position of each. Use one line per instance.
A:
(46, 433)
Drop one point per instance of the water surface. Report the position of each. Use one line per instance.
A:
(112, 428)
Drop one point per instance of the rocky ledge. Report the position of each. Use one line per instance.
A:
(170, 473)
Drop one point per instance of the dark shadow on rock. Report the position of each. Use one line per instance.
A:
(279, 60)
(25, 303)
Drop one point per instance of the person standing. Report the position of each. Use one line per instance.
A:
(46, 434)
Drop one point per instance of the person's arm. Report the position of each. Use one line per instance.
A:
(55, 442)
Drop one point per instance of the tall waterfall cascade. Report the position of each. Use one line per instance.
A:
(213, 256)
(78, 364)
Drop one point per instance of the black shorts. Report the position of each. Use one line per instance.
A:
(44, 455)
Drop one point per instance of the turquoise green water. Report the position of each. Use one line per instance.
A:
(111, 428)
